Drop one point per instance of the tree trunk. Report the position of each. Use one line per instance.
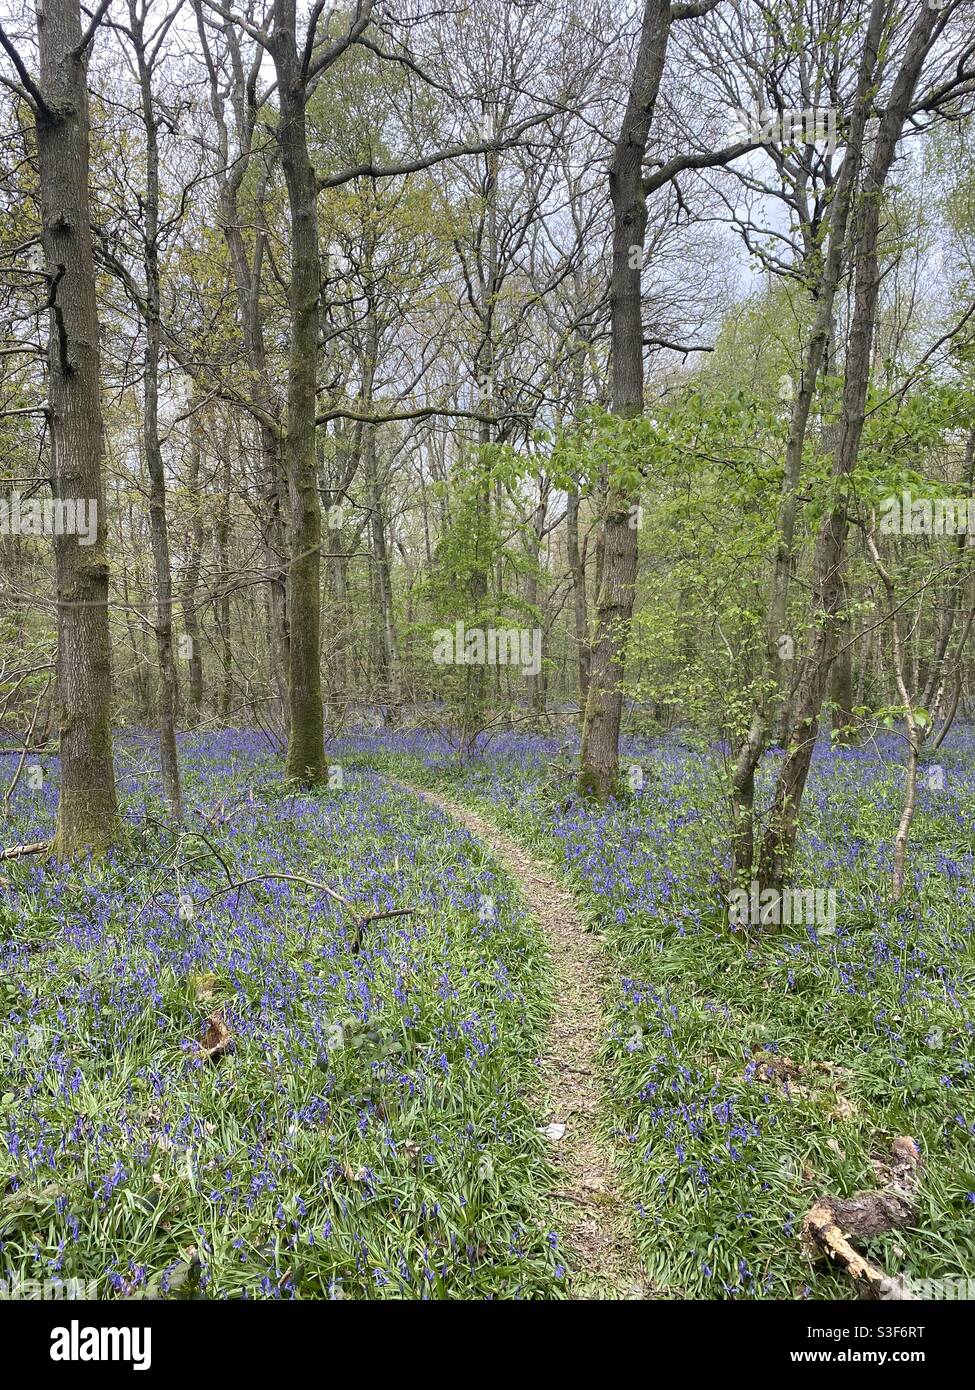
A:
(579, 606)
(275, 558)
(534, 596)
(476, 677)
(773, 686)
(841, 687)
(248, 273)
(224, 579)
(306, 763)
(614, 606)
(778, 846)
(191, 578)
(387, 650)
(87, 808)
(167, 697)
(915, 736)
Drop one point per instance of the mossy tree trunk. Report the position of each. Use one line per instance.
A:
(87, 809)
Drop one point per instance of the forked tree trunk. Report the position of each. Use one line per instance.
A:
(775, 676)
(778, 846)
(87, 809)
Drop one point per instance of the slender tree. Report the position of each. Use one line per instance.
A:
(629, 188)
(147, 47)
(778, 845)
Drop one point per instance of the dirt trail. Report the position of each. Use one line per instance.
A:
(595, 1222)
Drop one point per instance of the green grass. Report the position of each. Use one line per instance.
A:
(372, 1132)
(746, 1078)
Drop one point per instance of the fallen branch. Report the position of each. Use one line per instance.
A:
(381, 916)
(832, 1221)
(361, 922)
(283, 878)
(822, 1229)
(17, 851)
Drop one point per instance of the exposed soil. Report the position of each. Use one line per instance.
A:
(595, 1223)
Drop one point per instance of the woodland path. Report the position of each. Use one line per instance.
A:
(595, 1221)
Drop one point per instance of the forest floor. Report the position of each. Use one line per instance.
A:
(745, 1075)
(251, 1090)
(598, 1230)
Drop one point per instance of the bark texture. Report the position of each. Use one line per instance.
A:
(306, 761)
(87, 809)
(614, 605)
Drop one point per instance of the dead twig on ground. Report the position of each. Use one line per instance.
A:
(18, 851)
